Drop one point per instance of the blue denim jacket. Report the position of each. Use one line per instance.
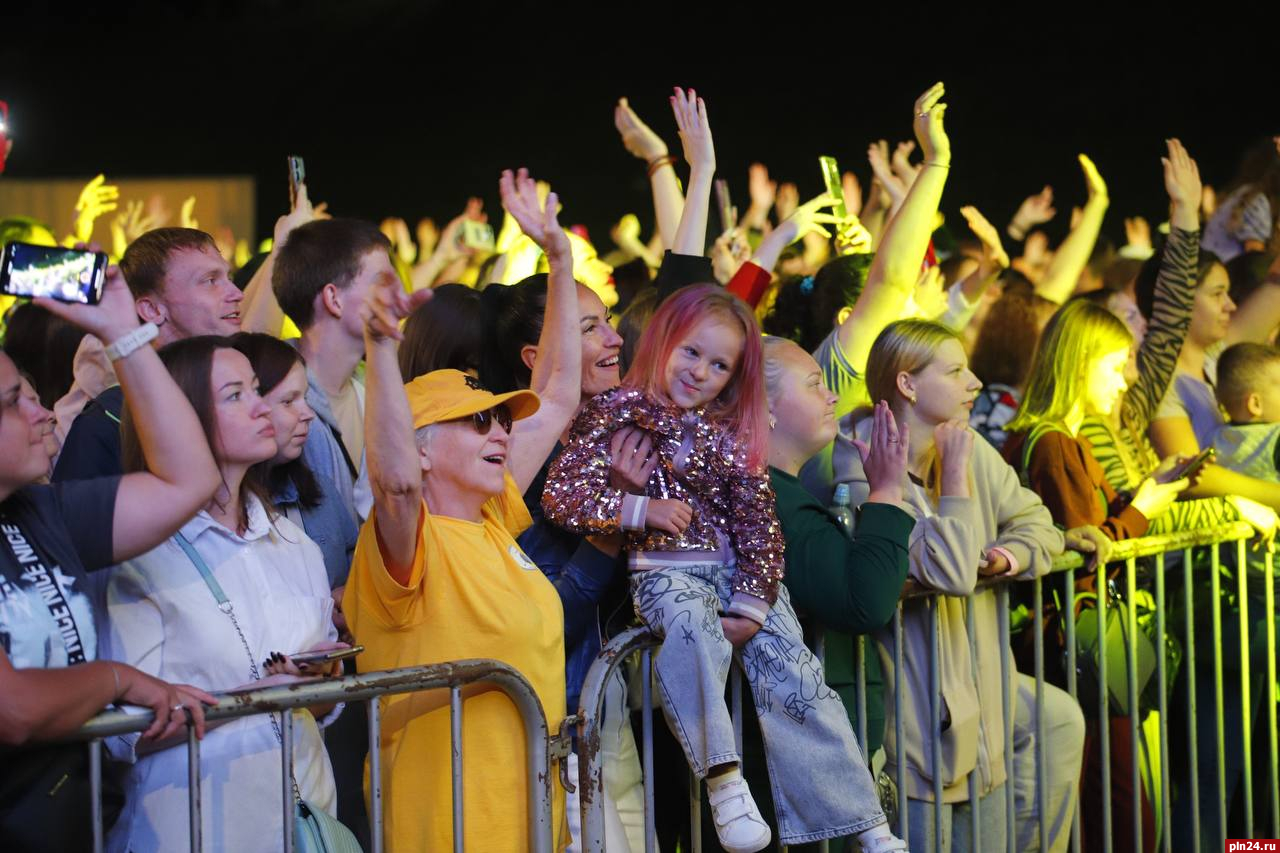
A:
(583, 575)
(329, 524)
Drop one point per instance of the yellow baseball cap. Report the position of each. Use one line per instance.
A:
(444, 395)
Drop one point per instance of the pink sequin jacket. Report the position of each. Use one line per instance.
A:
(701, 464)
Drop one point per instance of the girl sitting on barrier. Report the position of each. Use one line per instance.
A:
(972, 518)
(706, 552)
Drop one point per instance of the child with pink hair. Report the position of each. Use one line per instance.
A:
(706, 554)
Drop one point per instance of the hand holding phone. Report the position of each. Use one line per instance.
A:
(67, 275)
(309, 663)
(1192, 467)
(835, 185)
(297, 176)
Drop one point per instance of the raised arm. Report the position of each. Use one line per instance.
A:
(395, 466)
(700, 152)
(808, 218)
(648, 146)
(1068, 262)
(1175, 291)
(892, 278)
(260, 312)
(181, 475)
(557, 368)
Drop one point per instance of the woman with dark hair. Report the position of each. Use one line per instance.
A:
(447, 332)
(808, 307)
(1002, 354)
(1246, 217)
(237, 584)
(308, 501)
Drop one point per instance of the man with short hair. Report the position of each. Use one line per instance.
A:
(181, 287)
(320, 278)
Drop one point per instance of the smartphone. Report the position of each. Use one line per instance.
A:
(68, 275)
(728, 217)
(326, 655)
(835, 187)
(477, 235)
(1193, 465)
(297, 175)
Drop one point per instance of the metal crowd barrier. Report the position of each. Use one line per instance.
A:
(622, 647)
(542, 747)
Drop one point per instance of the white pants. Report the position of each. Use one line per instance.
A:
(1063, 753)
(623, 779)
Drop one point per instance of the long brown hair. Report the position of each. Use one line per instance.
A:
(190, 363)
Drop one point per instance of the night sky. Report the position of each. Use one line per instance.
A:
(407, 108)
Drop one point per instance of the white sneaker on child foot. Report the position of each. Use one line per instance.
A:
(882, 843)
(738, 821)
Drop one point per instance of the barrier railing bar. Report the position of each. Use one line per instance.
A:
(1246, 686)
(1273, 767)
(1104, 704)
(975, 832)
(374, 708)
(1069, 622)
(95, 793)
(1042, 794)
(899, 726)
(1131, 665)
(195, 800)
(650, 819)
(1006, 705)
(1162, 676)
(695, 812)
(1194, 758)
(455, 761)
(1220, 737)
(935, 720)
(860, 673)
(286, 776)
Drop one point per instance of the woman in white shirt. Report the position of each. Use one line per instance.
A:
(162, 617)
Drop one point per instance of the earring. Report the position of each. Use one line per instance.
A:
(773, 422)
(912, 399)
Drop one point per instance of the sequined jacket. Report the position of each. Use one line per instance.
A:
(700, 463)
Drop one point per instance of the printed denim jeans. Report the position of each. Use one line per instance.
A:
(821, 785)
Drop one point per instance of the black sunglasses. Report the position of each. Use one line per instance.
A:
(483, 420)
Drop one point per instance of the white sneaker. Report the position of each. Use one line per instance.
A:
(882, 844)
(738, 821)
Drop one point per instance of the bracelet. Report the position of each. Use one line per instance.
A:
(128, 344)
(658, 162)
(939, 165)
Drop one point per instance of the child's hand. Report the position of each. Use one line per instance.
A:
(668, 515)
(631, 450)
(738, 629)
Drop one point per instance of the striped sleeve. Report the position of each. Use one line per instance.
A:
(1255, 220)
(849, 385)
(1169, 321)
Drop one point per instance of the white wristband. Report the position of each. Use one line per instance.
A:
(127, 344)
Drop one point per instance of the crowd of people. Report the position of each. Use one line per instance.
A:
(456, 447)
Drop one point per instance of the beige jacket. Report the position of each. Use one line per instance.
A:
(946, 545)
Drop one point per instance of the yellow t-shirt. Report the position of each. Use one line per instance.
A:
(348, 410)
(472, 593)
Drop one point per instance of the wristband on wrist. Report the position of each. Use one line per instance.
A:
(658, 162)
(126, 345)
(939, 165)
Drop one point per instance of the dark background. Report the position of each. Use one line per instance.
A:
(407, 108)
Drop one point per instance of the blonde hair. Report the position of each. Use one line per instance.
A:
(907, 346)
(1078, 334)
(773, 369)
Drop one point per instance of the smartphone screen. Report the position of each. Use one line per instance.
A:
(477, 235)
(835, 188)
(727, 219)
(68, 275)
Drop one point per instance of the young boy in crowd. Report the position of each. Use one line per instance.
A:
(1249, 392)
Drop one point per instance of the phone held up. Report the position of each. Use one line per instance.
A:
(68, 275)
(297, 175)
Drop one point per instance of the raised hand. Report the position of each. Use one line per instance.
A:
(788, 200)
(992, 247)
(113, 316)
(637, 137)
(301, 214)
(97, 197)
(538, 221)
(934, 143)
(730, 251)
(695, 131)
(885, 456)
(187, 218)
(1208, 201)
(396, 230)
(1096, 187)
(808, 219)
(901, 162)
(1035, 210)
(878, 157)
(930, 295)
(1182, 183)
(428, 236)
(386, 306)
(760, 188)
(852, 193)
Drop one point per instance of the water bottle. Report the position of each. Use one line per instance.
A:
(840, 507)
